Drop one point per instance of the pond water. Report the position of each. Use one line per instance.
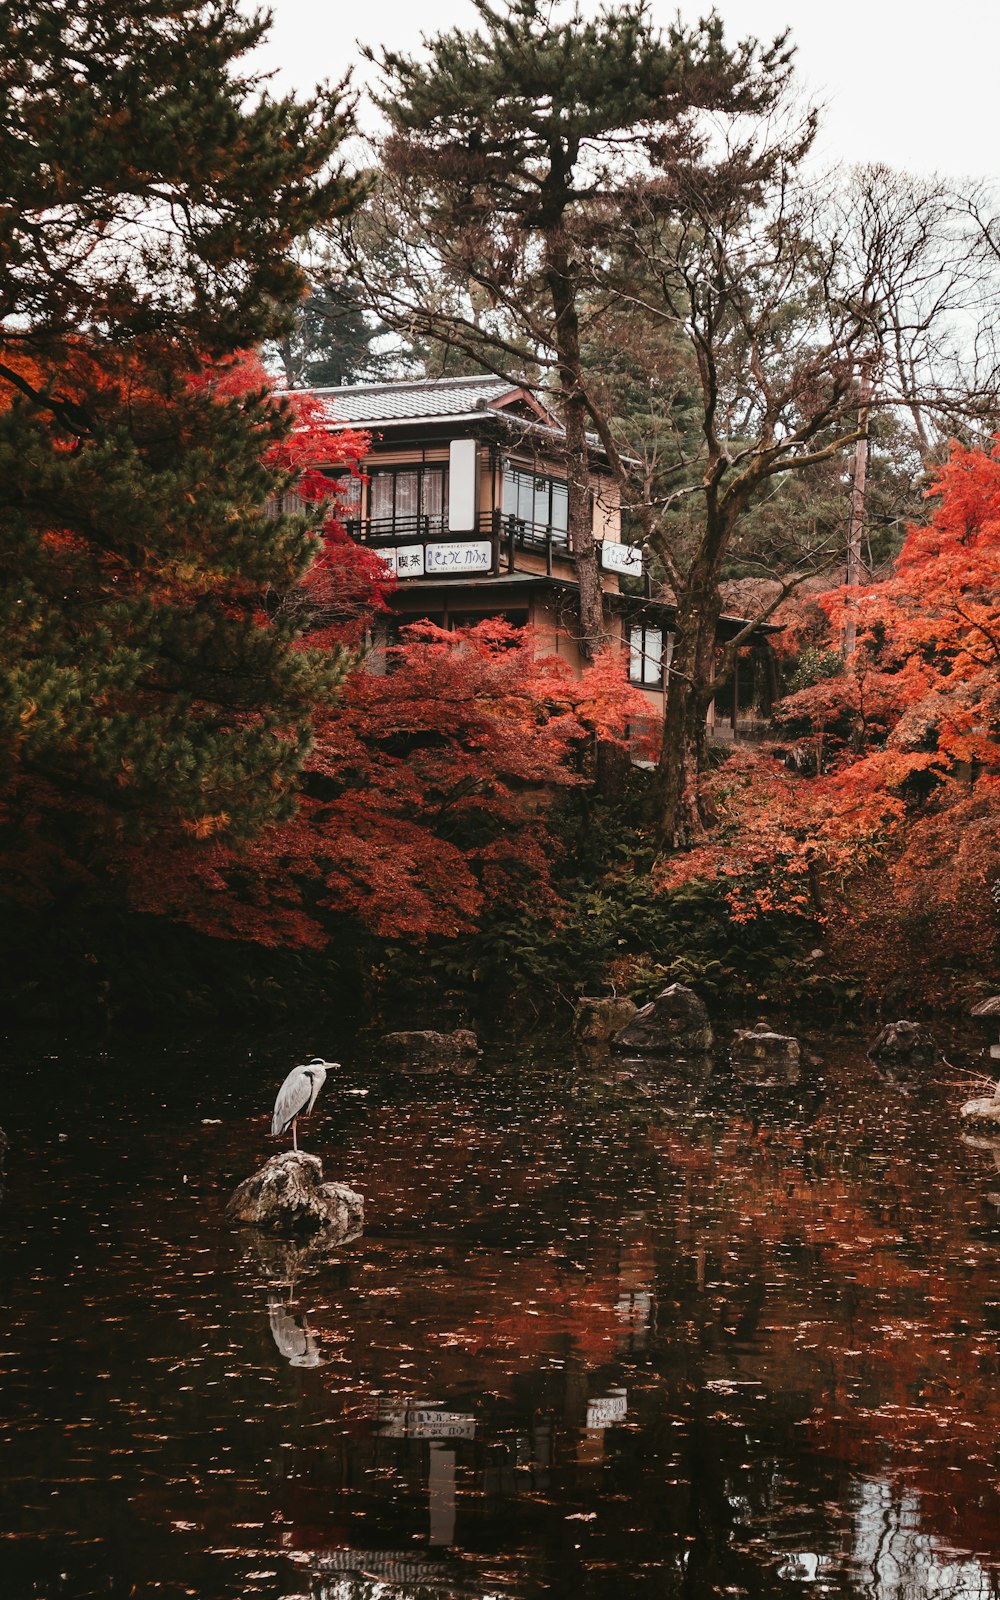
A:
(608, 1331)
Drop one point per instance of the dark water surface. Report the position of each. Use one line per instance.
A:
(606, 1334)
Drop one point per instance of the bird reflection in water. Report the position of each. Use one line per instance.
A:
(292, 1334)
(283, 1261)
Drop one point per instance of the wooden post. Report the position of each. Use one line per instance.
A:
(857, 509)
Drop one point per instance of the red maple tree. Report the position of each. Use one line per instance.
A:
(893, 816)
(432, 769)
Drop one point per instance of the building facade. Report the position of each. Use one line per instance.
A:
(464, 497)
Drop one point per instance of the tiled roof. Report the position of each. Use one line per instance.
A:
(424, 397)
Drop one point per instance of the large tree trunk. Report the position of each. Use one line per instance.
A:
(679, 817)
(580, 514)
(581, 530)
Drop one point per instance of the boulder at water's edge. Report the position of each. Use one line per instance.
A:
(675, 1023)
(425, 1047)
(904, 1044)
(761, 1044)
(598, 1018)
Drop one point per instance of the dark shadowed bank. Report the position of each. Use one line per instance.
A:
(612, 929)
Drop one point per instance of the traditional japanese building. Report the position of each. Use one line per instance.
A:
(464, 497)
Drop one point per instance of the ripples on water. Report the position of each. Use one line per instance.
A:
(606, 1333)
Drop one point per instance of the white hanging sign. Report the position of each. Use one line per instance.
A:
(625, 558)
(463, 485)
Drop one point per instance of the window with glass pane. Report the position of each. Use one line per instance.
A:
(348, 497)
(560, 512)
(537, 503)
(407, 507)
(432, 498)
(409, 500)
(380, 497)
(525, 499)
(646, 655)
(541, 515)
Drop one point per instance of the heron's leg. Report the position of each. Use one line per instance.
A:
(295, 1125)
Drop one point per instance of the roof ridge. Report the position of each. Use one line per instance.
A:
(414, 383)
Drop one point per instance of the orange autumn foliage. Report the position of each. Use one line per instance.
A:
(892, 819)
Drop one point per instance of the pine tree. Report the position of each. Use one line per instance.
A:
(331, 341)
(153, 195)
(506, 170)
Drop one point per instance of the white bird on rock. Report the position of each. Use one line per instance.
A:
(297, 1095)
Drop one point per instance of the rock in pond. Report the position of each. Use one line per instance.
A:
(675, 1023)
(988, 1011)
(425, 1048)
(761, 1045)
(288, 1193)
(598, 1018)
(905, 1044)
(985, 1112)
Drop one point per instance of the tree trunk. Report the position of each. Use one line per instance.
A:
(679, 817)
(580, 514)
(857, 511)
(581, 530)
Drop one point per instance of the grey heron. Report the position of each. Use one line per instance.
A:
(297, 1095)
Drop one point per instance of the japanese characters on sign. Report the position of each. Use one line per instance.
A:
(454, 559)
(608, 1409)
(475, 555)
(423, 1422)
(624, 558)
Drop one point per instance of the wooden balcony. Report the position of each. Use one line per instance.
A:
(422, 547)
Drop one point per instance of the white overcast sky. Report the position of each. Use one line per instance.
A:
(913, 83)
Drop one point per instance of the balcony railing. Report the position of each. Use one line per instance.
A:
(457, 554)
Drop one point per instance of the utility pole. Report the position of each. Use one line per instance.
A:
(857, 507)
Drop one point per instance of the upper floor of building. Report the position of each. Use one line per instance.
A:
(467, 476)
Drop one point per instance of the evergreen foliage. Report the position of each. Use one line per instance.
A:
(505, 173)
(331, 341)
(154, 194)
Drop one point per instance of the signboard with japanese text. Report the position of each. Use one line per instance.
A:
(439, 559)
(473, 555)
(424, 1422)
(608, 1409)
(623, 558)
(406, 560)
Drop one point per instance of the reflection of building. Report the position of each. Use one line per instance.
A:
(902, 1562)
(464, 497)
(388, 1575)
(406, 1421)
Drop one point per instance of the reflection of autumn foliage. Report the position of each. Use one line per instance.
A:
(901, 807)
(500, 1296)
(899, 1362)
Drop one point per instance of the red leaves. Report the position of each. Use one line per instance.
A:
(426, 794)
(897, 818)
